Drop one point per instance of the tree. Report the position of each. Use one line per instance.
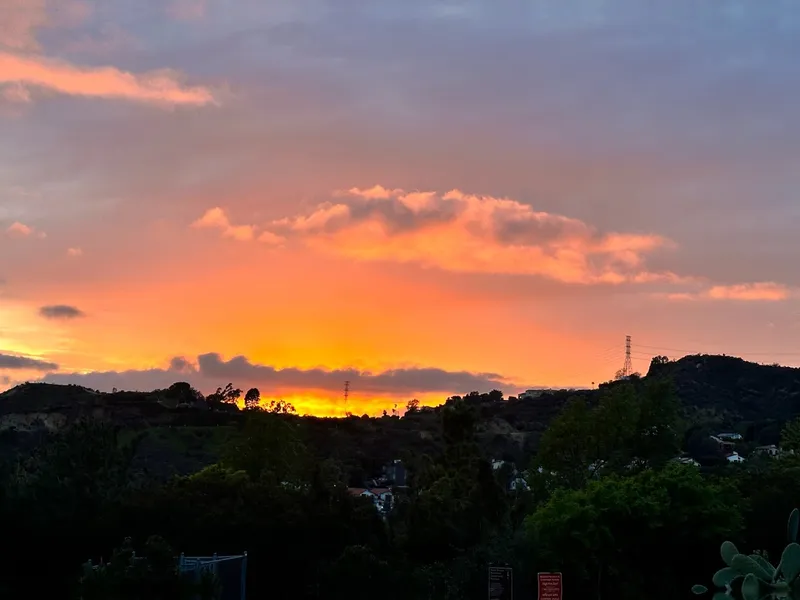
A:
(412, 406)
(617, 536)
(226, 395)
(152, 573)
(633, 426)
(182, 393)
(790, 436)
(252, 399)
(281, 407)
(270, 447)
(568, 446)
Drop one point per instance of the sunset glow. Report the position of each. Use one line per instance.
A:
(294, 194)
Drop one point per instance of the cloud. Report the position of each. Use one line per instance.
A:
(18, 229)
(21, 19)
(743, 292)
(766, 291)
(467, 233)
(10, 361)
(16, 93)
(74, 252)
(156, 87)
(187, 10)
(215, 218)
(61, 312)
(210, 370)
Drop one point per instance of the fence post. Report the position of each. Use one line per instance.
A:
(244, 575)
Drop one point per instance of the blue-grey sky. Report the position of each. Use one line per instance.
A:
(621, 167)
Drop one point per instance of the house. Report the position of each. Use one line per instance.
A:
(686, 460)
(730, 437)
(725, 446)
(519, 483)
(771, 450)
(735, 457)
(380, 497)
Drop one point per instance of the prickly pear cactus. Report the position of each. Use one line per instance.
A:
(753, 577)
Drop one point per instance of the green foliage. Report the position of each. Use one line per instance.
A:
(790, 436)
(274, 484)
(152, 574)
(632, 427)
(270, 446)
(602, 537)
(753, 577)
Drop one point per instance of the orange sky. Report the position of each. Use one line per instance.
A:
(424, 218)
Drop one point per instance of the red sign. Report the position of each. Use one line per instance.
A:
(550, 586)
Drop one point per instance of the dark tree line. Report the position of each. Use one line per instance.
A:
(606, 506)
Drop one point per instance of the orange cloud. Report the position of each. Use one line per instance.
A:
(744, 292)
(215, 218)
(462, 233)
(157, 87)
(74, 252)
(766, 291)
(468, 233)
(18, 229)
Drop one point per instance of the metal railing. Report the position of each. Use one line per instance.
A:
(230, 571)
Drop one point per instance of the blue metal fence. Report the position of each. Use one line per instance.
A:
(230, 571)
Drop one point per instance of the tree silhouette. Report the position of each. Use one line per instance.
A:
(252, 398)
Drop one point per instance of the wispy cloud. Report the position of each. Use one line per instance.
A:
(15, 362)
(158, 87)
(767, 291)
(74, 252)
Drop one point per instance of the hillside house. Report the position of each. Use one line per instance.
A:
(381, 497)
(771, 450)
(735, 457)
(726, 446)
(730, 437)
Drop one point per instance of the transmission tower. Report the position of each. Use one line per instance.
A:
(346, 393)
(627, 368)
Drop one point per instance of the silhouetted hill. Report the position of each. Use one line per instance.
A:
(733, 390)
(715, 392)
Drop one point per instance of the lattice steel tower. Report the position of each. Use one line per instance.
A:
(627, 368)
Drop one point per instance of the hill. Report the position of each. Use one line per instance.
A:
(714, 391)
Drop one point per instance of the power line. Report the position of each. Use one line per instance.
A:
(689, 352)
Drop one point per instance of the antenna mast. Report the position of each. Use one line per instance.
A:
(346, 394)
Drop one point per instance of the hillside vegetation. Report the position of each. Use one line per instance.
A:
(585, 483)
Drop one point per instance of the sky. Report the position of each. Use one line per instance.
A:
(423, 198)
